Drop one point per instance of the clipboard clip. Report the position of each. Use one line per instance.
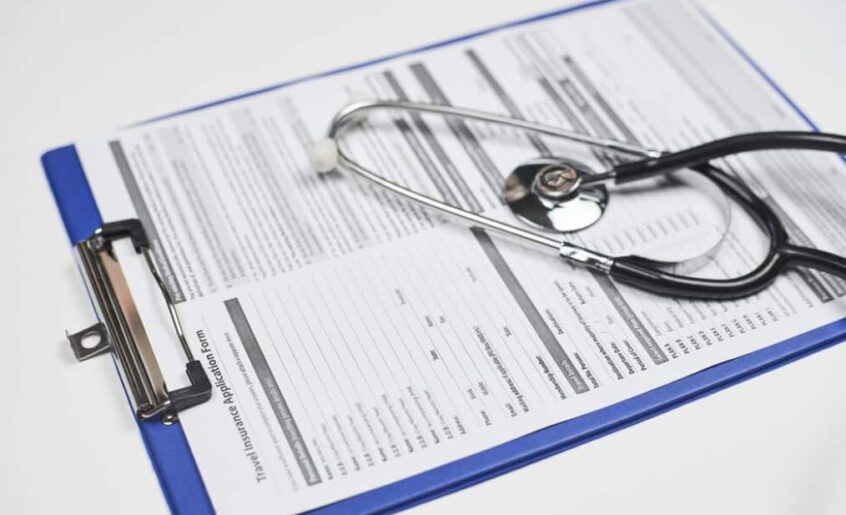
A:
(121, 330)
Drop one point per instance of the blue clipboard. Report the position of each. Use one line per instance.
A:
(177, 471)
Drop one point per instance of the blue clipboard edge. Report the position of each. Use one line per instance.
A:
(166, 446)
(179, 477)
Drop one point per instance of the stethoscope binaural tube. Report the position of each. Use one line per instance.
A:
(327, 155)
(636, 271)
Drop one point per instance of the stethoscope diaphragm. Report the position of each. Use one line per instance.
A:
(547, 193)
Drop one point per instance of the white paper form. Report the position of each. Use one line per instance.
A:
(354, 339)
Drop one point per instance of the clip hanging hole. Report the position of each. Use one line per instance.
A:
(90, 340)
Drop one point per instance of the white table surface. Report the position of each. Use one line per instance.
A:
(776, 444)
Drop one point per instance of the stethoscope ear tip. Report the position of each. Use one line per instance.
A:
(324, 156)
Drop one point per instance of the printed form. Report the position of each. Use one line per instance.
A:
(354, 339)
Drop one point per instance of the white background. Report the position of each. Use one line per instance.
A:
(776, 444)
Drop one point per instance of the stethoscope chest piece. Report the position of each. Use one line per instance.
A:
(548, 193)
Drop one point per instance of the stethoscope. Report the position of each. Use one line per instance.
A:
(564, 195)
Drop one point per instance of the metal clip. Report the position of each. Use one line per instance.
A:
(122, 330)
